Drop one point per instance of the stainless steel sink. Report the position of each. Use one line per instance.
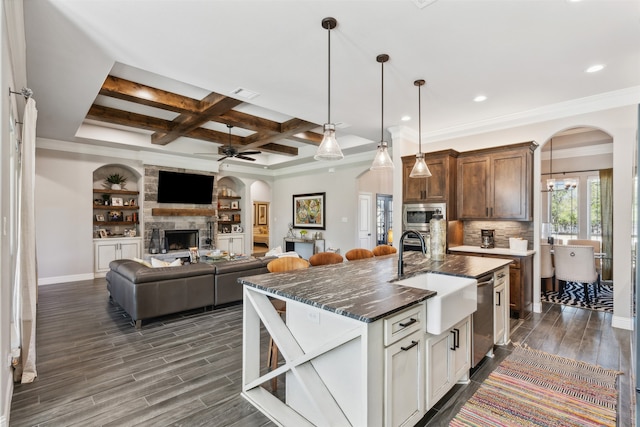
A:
(456, 298)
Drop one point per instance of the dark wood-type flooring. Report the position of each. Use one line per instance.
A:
(95, 369)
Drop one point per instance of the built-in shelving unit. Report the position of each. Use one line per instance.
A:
(104, 215)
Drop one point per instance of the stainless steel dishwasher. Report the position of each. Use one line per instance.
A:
(482, 321)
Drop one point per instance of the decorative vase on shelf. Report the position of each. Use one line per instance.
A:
(116, 187)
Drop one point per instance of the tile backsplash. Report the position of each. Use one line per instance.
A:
(503, 230)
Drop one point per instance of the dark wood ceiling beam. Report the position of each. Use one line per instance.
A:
(222, 138)
(247, 121)
(213, 136)
(288, 128)
(213, 106)
(126, 118)
(115, 87)
(312, 138)
(279, 149)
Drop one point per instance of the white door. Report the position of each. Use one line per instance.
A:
(365, 224)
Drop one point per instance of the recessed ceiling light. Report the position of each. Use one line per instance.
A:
(405, 118)
(594, 68)
(480, 98)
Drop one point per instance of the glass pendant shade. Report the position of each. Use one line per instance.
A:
(329, 148)
(420, 169)
(382, 160)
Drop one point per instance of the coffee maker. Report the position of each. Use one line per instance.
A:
(487, 239)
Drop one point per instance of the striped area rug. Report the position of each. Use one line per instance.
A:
(574, 296)
(534, 388)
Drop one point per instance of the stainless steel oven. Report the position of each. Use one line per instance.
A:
(416, 216)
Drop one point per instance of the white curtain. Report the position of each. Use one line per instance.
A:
(26, 269)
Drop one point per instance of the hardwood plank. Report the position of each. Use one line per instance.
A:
(95, 368)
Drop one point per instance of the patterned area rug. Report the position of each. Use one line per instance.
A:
(574, 296)
(534, 388)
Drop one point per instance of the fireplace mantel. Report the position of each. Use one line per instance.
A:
(183, 212)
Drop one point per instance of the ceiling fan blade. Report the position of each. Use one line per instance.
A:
(222, 158)
(251, 152)
(240, 156)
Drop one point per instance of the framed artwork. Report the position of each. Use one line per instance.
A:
(309, 211)
(235, 205)
(262, 213)
(117, 201)
(103, 233)
(115, 216)
(100, 218)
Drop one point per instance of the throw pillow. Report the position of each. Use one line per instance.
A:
(143, 262)
(175, 263)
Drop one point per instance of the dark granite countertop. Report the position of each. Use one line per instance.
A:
(363, 289)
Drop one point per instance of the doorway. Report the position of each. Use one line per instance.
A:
(576, 170)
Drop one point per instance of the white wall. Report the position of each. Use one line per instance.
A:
(341, 203)
(620, 123)
(64, 213)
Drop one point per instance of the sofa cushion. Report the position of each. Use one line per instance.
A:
(238, 265)
(138, 273)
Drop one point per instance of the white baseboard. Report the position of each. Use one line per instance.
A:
(62, 279)
(537, 307)
(622, 322)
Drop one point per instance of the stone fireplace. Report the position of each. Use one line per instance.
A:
(203, 226)
(179, 240)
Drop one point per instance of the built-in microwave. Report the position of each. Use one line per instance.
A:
(416, 216)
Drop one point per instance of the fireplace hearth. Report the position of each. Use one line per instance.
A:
(179, 240)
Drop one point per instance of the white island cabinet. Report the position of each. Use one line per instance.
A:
(339, 371)
(357, 346)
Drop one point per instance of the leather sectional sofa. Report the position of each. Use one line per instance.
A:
(146, 292)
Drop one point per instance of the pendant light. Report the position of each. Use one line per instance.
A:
(329, 148)
(420, 169)
(382, 161)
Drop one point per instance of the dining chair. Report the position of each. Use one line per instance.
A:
(597, 248)
(547, 271)
(574, 263)
(325, 258)
(384, 250)
(358, 253)
(280, 265)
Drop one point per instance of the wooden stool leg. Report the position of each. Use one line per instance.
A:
(274, 365)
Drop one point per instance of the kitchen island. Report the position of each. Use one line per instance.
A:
(354, 342)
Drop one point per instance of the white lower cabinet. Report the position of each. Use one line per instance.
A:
(232, 243)
(107, 250)
(404, 381)
(501, 307)
(448, 360)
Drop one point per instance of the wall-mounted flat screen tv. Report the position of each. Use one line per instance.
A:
(178, 187)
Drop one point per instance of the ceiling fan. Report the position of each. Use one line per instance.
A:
(231, 151)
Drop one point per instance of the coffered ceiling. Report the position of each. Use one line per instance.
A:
(169, 76)
(192, 115)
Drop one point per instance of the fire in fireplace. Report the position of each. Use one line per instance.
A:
(176, 240)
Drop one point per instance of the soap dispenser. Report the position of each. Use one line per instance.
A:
(438, 234)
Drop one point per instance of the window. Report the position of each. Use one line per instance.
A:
(564, 209)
